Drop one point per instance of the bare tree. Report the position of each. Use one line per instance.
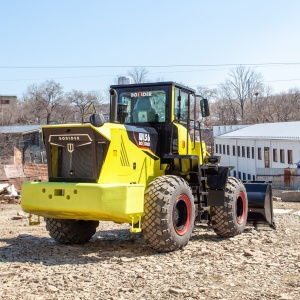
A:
(6, 148)
(83, 102)
(241, 86)
(32, 108)
(46, 97)
(285, 106)
(9, 113)
(223, 112)
(206, 93)
(64, 113)
(138, 74)
(258, 110)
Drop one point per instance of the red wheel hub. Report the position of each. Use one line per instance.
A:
(182, 214)
(241, 208)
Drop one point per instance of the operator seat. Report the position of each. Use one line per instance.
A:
(143, 111)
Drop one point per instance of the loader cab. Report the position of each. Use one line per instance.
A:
(164, 106)
(152, 103)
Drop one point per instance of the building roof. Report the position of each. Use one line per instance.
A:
(269, 131)
(19, 129)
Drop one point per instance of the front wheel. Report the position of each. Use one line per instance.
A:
(230, 219)
(169, 214)
(71, 231)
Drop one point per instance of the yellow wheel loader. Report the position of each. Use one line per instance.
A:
(148, 167)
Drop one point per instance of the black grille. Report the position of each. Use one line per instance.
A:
(83, 163)
(75, 154)
(76, 164)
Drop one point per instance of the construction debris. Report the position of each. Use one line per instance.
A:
(19, 216)
(8, 194)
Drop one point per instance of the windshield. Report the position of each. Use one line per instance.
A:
(144, 106)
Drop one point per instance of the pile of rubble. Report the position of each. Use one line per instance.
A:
(8, 194)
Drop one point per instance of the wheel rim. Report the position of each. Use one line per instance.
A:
(241, 208)
(182, 214)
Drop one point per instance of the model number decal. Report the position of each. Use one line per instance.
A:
(144, 139)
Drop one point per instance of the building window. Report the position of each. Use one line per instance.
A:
(259, 153)
(253, 152)
(233, 150)
(224, 149)
(228, 148)
(234, 173)
(248, 152)
(239, 174)
(216, 148)
(290, 156)
(253, 178)
(243, 151)
(220, 149)
(249, 176)
(275, 159)
(239, 150)
(244, 176)
(282, 156)
(267, 157)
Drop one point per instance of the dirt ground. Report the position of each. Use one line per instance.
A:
(259, 264)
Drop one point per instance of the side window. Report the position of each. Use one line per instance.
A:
(183, 104)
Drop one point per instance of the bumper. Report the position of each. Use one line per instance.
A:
(120, 203)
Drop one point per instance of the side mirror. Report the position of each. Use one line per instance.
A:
(204, 108)
(97, 120)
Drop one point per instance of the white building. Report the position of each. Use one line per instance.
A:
(258, 149)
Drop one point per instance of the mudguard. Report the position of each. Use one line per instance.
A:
(260, 204)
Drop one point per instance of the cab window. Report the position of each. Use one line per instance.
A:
(183, 104)
(145, 106)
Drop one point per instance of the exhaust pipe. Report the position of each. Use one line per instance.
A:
(113, 106)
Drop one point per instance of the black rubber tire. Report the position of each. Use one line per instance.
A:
(230, 219)
(71, 231)
(169, 215)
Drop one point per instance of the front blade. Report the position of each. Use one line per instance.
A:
(260, 204)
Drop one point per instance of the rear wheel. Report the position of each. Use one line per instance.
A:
(230, 219)
(71, 231)
(169, 214)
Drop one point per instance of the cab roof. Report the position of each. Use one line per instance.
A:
(153, 84)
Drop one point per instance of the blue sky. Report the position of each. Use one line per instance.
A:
(203, 38)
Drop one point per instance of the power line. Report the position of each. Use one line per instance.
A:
(150, 66)
(278, 80)
(99, 76)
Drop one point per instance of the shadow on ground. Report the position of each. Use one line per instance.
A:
(104, 246)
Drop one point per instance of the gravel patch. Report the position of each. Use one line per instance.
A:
(259, 264)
